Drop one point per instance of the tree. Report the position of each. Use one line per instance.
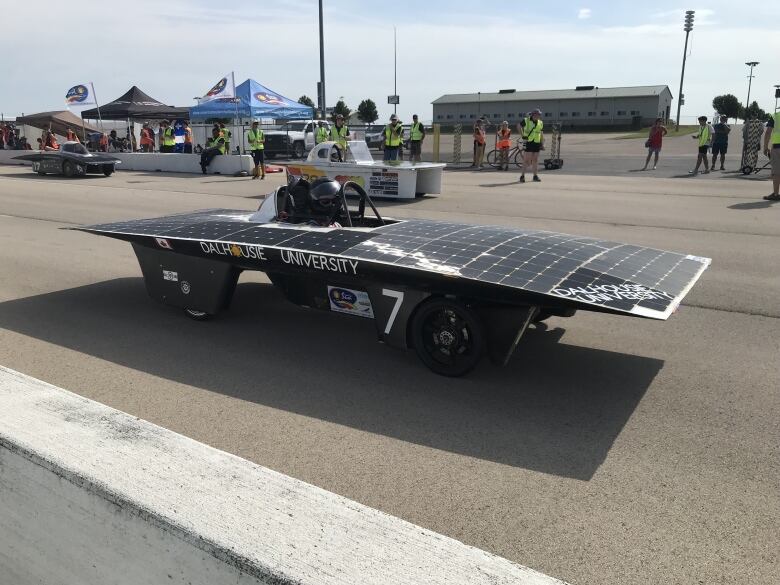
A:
(341, 108)
(727, 105)
(754, 112)
(367, 111)
(306, 101)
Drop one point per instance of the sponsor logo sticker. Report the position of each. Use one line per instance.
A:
(235, 250)
(185, 287)
(347, 300)
(163, 243)
(170, 275)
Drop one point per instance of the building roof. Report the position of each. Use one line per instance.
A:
(554, 94)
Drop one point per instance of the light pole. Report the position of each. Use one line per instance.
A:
(687, 28)
(323, 109)
(777, 95)
(395, 72)
(750, 64)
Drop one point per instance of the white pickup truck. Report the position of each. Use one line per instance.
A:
(292, 139)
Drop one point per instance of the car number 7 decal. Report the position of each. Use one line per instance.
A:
(399, 299)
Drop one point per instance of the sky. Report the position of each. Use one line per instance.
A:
(175, 50)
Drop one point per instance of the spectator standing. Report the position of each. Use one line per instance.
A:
(50, 142)
(187, 138)
(256, 138)
(479, 143)
(654, 141)
(339, 134)
(416, 137)
(322, 133)
(704, 138)
(227, 135)
(503, 144)
(394, 135)
(772, 150)
(167, 138)
(214, 146)
(147, 138)
(720, 141)
(531, 131)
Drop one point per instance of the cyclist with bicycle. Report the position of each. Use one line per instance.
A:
(503, 145)
(531, 131)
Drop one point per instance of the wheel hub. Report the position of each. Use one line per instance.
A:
(446, 338)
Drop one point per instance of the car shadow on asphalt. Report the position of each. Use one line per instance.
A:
(556, 408)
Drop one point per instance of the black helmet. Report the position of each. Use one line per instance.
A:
(324, 195)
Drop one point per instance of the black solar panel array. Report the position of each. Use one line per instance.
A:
(600, 272)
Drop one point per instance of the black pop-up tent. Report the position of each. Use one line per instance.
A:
(58, 122)
(136, 105)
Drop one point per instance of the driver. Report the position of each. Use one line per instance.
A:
(324, 202)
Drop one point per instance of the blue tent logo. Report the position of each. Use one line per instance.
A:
(269, 98)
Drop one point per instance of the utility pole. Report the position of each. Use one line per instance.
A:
(395, 72)
(323, 109)
(687, 28)
(750, 64)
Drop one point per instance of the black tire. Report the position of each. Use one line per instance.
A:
(547, 165)
(542, 315)
(492, 158)
(747, 169)
(298, 149)
(108, 170)
(197, 315)
(447, 336)
(68, 168)
(42, 173)
(518, 159)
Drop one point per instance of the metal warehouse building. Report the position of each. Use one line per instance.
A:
(583, 106)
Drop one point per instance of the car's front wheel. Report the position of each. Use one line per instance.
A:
(448, 336)
(108, 170)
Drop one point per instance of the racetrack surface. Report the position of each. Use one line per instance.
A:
(610, 450)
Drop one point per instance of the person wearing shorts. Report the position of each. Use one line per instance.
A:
(720, 141)
(772, 150)
(531, 131)
(654, 141)
(704, 138)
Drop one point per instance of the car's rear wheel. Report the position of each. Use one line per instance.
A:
(447, 336)
(108, 170)
(68, 168)
(197, 315)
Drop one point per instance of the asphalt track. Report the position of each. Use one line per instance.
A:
(610, 450)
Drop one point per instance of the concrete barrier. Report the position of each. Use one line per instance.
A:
(169, 163)
(91, 495)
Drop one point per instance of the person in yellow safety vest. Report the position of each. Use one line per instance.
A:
(394, 136)
(214, 146)
(416, 137)
(339, 134)
(167, 139)
(256, 139)
(322, 133)
(704, 138)
(772, 137)
(227, 135)
(503, 144)
(531, 130)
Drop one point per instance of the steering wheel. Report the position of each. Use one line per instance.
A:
(341, 204)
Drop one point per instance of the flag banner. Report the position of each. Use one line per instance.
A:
(80, 95)
(224, 88)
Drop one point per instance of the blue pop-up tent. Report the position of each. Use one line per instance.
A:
(253, 101)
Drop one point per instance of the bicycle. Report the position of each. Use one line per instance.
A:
(514, 156)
